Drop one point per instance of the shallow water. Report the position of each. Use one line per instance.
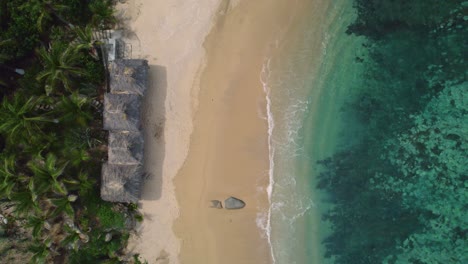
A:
(310, 73)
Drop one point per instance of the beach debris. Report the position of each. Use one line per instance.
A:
(47, 226)
(3, 220)
(72, 198)
(83, 237)
(216, 204)
(233, 203)
(108, 237)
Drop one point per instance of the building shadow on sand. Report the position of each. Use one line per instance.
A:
(153, 121)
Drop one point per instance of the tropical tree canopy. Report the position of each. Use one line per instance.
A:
(51, 140)
(20, 120)
(60, 63)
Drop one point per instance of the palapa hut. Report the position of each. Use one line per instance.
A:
(122, 112)
(125, 148)
(122, 175)
(128, 76)
(121, 183)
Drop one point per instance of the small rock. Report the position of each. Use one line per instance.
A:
(108, 237)
(233, 203)
(216, 204)
(47, 226)
(72, 198)
(84, 238)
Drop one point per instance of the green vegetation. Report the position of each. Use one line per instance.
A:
(51, 140)
(400, 194)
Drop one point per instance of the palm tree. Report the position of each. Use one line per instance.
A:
(77, 157)
(73, 237)
(38, 224)
(74, 109)
(4, 57)
(25, 202)
(84, 137)
(61, 205)
(85, 40)
(7, 176)
(60, 65)
(48, 10)
(103, 13)
(84, 37)
(45, 175)
(20, 122)
(15, 187)
(41, 251)
(86, 184)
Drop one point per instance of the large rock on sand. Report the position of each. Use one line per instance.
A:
(233, 203)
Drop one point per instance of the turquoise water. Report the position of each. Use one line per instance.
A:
(385, 110)
(307, 83)
(397, 183)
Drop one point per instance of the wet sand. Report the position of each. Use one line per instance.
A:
(228, 153)
(206, 131)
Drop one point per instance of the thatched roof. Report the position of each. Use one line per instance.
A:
(128, 76)
(122, 112)
(121, 183)
(122, 176)
(125, 148)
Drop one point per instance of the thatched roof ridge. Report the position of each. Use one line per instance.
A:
(122, 112)
(129, 76)
(121, 183)
(125, 147)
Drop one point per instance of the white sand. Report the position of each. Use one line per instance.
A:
(169, 34)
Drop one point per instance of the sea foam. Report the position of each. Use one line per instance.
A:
(264, 220)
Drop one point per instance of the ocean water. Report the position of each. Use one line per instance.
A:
(307, 78)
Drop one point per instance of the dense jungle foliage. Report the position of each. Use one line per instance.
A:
(400, 194)
(51, 140)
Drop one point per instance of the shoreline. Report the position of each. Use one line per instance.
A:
(229, 152)
(295, 62)
(266, 224)
(208, 126)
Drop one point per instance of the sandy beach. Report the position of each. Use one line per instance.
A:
(169, 34)
(229, 155)
(205, 125)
